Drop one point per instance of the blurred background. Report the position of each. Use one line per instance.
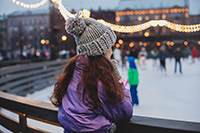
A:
(37, 35)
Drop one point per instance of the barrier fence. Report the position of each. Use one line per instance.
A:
(27, 78)
(46, 112)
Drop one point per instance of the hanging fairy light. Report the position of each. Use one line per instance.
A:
(86, 13)
(120, 28)
(25, 5)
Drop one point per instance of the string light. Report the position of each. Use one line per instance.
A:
(125, 29)
(140, 27)
(150, 11)
(86, 13)
(25, 5)
(54, 2)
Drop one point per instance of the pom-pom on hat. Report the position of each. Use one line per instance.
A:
(92, 37)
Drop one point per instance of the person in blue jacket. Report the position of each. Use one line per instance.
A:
(133, 80)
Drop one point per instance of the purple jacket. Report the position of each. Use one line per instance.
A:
(75, 116)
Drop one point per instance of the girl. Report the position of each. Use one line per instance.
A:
(90, 94)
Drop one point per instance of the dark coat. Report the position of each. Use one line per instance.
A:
(178, 55)
(162, 55)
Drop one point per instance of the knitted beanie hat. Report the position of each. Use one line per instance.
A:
(92, 37)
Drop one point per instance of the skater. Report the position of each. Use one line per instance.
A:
(178, 55)
(116, 54)
(162, 56)
(133, 80)
(154, 54)
(123, 57)
(194, 53)
(90, 93)
(143, 55)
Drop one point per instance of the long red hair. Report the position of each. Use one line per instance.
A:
(97, 69)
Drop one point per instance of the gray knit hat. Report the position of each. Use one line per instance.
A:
(92, 37)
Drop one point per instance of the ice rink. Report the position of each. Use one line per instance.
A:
(166, 94)
(161, 94)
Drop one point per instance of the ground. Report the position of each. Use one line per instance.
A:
(161, 94)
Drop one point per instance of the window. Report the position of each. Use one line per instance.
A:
(40, 20)
(136, 17)
(15, 22)
(151, 16)
(175, 15)
(20, 21)
(168, 15)
(127, 18)
(25, 21)
(121, 18)
(11, 22)
(35, 21)
(45, 20)
(197, 19)
(30, 21)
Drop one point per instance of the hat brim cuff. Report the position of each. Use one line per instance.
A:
(99, 46)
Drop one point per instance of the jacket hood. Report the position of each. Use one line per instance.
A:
(131, 61)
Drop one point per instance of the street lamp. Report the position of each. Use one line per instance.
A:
(42, 41)
(47, 41)
(185, 43)
(172, 43)
(146, 34)
(117, 45)
(131, 44)
(158, 43)
(120, 41)
(64, 38)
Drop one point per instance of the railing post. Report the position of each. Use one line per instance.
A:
(23, 123)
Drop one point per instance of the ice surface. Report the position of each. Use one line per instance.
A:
(168, 95)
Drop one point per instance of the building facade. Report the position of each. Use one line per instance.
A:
(3, 38)
(135, 13)
(42, 33)
(28, 33)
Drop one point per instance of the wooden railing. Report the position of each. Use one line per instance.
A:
(27, 78)
(46, 112)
